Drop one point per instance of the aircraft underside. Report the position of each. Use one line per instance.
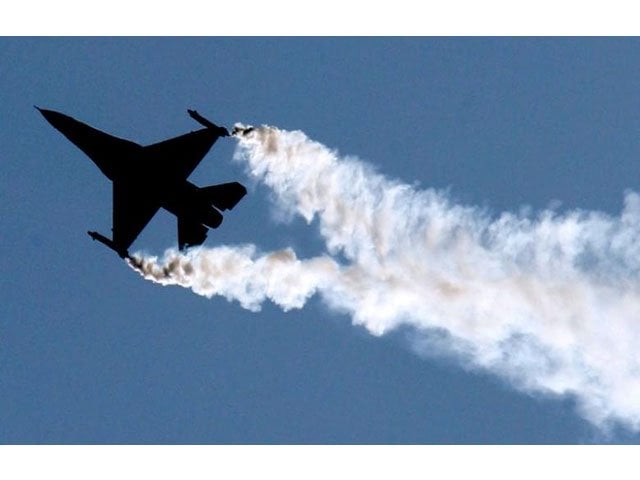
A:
(148, 178)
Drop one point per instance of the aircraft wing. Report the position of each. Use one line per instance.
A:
(175, 159)
(133, 208)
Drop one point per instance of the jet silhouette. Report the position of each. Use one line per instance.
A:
(148, 178)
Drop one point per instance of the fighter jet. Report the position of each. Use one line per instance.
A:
(148, 178)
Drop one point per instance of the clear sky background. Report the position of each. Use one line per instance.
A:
(92, 353)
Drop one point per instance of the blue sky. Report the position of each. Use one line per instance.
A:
(92, 353)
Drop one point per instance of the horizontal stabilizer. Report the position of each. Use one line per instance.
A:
(224, 196)
(221, 131)
(190, 233)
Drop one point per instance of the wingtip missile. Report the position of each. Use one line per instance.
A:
(221, 131)
(122, 253)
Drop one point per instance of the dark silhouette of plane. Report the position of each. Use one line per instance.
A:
(148, 178)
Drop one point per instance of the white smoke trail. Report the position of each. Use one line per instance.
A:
(550, 303)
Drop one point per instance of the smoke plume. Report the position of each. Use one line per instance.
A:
(550, 303)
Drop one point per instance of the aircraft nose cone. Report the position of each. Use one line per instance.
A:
(57, 119)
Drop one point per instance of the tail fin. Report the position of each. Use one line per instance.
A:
(224, 196)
